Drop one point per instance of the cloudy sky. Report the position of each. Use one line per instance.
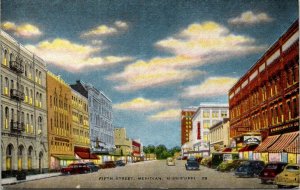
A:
(151, 57)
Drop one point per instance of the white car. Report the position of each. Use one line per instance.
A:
(170, 161)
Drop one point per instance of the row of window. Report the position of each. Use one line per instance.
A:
(214, 114)
(57, 146)
(78, 103)
(28, 69)
(21, 165)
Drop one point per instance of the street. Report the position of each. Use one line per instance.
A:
(148, 174)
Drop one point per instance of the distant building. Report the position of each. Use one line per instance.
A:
(123, 144)
(60, 139)
(24, 144)
(100, 119)
(186, 123)
(206, 116)
(219, 136)
(136, 150)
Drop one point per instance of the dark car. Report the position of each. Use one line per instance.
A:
(75, 168)
(250, 168)
(108, 164)
(229, 165)
(92, 166)
(271, 170)
(120, 163)
(192, 165)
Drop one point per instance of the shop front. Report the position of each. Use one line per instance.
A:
(246, 144)
(83, 154)
(59, 161)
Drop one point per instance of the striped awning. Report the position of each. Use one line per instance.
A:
(269, 141)
(283, 142)
(294, 147)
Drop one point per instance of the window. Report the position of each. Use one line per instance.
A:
(206, 114)
(215, 114)
(289, 110)
(29, 159)
(206, 124)
(9, 153)
(223, 114)
(295, 109)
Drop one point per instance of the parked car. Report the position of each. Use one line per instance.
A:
(170, 161)
(192, 165)
(75, 168)
(250, 168)
(92, 166)
(271, 170)
(229, 165)
(289, 176)
(120, 163)
(108, 164)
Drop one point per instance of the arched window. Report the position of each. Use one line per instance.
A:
(20, 157)
(36, 76)
(37, 96)
(29, 159)
(9, 154)
(6, 85)
(4, 58)
(6, 118)
(26, 70)
(41, 100)
(40, 77)
(28, 123)
(12, 115)
(31, 96)
(12, 84)
(26, 94)
(11, 57)
(40, 123)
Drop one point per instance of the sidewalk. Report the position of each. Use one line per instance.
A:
(13, 180)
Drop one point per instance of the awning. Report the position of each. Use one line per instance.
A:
(294, 147)
(248, 148)
(64, 157)
(269, 141)
(84, 153)
(283, 142)
(227, 150)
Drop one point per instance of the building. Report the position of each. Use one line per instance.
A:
(219, 136)
(81, 129)
(136, 150)
(123, 145)
(100, 120)
(186, 123)
(23, 110)
(265, 101)
(61, 144)
(205, 116)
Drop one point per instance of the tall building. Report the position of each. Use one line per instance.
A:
(23, 109)
(265, 101)
(186, 123)
(123, 144)
(60, 130)
(100, 118)
(205, 116)
(219, 136)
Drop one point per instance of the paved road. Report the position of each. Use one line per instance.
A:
(149, 174)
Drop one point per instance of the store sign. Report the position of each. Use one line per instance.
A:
(227, 157)
(252, 139)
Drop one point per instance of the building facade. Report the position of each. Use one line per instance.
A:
(23, 109)
(60, 131)
(265, 100)
(100, 118)
(123, 144)
(186, 123)
(205, 116)
(219, 136)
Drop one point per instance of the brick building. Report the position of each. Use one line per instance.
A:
(186, 123)
(265, 101)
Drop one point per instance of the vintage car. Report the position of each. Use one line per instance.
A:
(192, 165)
(250, 168)
(120, 163)
(92, 166)
(271, 170)
(289, 176)
(170, 161)
(108, 164)
(229, 165)
(75, 168)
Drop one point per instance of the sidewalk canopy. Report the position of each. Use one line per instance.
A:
(84, 153)
(248, 148)
(269, 141)
(64, 157)
(227, 150)
(283, 142)
(294, 147)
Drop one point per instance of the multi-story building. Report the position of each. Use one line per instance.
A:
(23, 109)
(219, 136)
(100, 119)
(136, 150)
(81, 129)
(123, 144)
(186, 123)
(60, 130)
(205, 116)
(265, 101)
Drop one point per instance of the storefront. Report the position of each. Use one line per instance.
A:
(261, 152)
(293, 151)
(83, 154)
(59, 161)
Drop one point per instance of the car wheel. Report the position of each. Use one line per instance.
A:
(280, 186)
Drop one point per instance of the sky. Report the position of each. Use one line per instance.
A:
(152, 58)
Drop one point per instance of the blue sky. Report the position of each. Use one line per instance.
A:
(151, 57)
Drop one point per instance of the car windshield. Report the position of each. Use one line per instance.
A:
(272, 166)
(191, 158)
(292, 168)
(193, 164)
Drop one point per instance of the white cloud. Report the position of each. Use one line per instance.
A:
(248, 18)
(172, 114)
(24, 30)
(211, 87)
(142, 104)
(104, 30)
(72, 56)
(156, 72)
(121, 24)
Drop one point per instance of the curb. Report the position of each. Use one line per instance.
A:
(21, 181)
